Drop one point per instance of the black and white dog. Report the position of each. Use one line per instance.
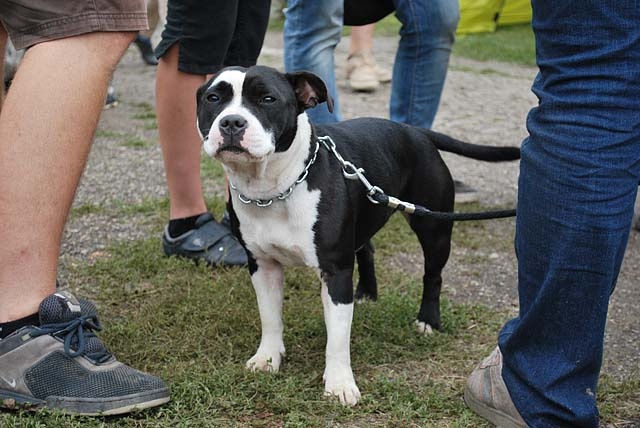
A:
(291, 204)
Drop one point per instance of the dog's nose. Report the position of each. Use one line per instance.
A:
(232, 124)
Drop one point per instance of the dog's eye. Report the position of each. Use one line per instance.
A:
(268, 99)
(213, 98)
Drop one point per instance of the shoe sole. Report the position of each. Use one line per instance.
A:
(87, 407)
(364, 86)
(496, 417)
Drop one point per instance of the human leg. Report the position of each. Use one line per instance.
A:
(186, 57)
(43, 149)
(420, 67)
(143, 39)
(49, 354)
(361, 38)
(181, 146)
(312, 30)
(192, 231)
(361, 41)
(42, 157)
(192, 47)
(3, 47)
(578, 181)
(361, 66)
(361, 45)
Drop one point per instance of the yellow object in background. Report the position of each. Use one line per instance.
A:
(515, 12)
(481, 16)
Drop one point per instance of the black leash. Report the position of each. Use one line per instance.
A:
(413, 209)
(377, 196)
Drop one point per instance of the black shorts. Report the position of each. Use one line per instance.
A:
(213, 34)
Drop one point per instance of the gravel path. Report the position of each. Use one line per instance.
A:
(483, 103)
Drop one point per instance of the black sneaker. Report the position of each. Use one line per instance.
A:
(464, 192)
(209, 241)
(146, 50)
(63, 365)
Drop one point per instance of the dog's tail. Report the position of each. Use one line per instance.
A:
(474, 151)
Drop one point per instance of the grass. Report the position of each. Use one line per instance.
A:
(147, 113)
(135, 143)
(196, 327)
(513, 44)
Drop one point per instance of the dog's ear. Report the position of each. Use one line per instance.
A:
(310, 90)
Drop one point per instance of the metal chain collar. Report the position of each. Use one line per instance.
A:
(284, 195)
(349, 170)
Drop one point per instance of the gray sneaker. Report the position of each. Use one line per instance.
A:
(487, 395)
(63, 365)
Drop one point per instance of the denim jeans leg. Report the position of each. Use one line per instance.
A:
(420, 68)
(578, 180)
(312, 29)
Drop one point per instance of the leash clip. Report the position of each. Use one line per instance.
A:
(373, 191)
(350, 171)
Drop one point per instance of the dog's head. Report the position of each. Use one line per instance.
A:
(246, 114)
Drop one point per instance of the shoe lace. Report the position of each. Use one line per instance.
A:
(76, 334)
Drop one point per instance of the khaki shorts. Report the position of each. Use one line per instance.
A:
(33, 21)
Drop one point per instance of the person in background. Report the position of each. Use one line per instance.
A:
(199, 39)
(143, 43)
(313, 29)
(579, 175)
(143, 39)
(362, 71)
(48, 346)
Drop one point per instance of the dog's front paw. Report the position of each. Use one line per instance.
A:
(340, 383)
(423, 327)
(266, 361)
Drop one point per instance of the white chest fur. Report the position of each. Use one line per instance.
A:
(283, 231)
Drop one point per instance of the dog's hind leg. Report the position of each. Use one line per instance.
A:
(367, 286)
(435, 239)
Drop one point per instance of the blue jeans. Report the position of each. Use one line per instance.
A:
(420, 68)
(313, 29)
(579, 176)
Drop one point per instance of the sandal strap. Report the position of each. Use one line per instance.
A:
(206, 234)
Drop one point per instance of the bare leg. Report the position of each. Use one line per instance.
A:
(362, 71)
(3, 47)
(181, 145)
(361, 38)
(46, 127)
